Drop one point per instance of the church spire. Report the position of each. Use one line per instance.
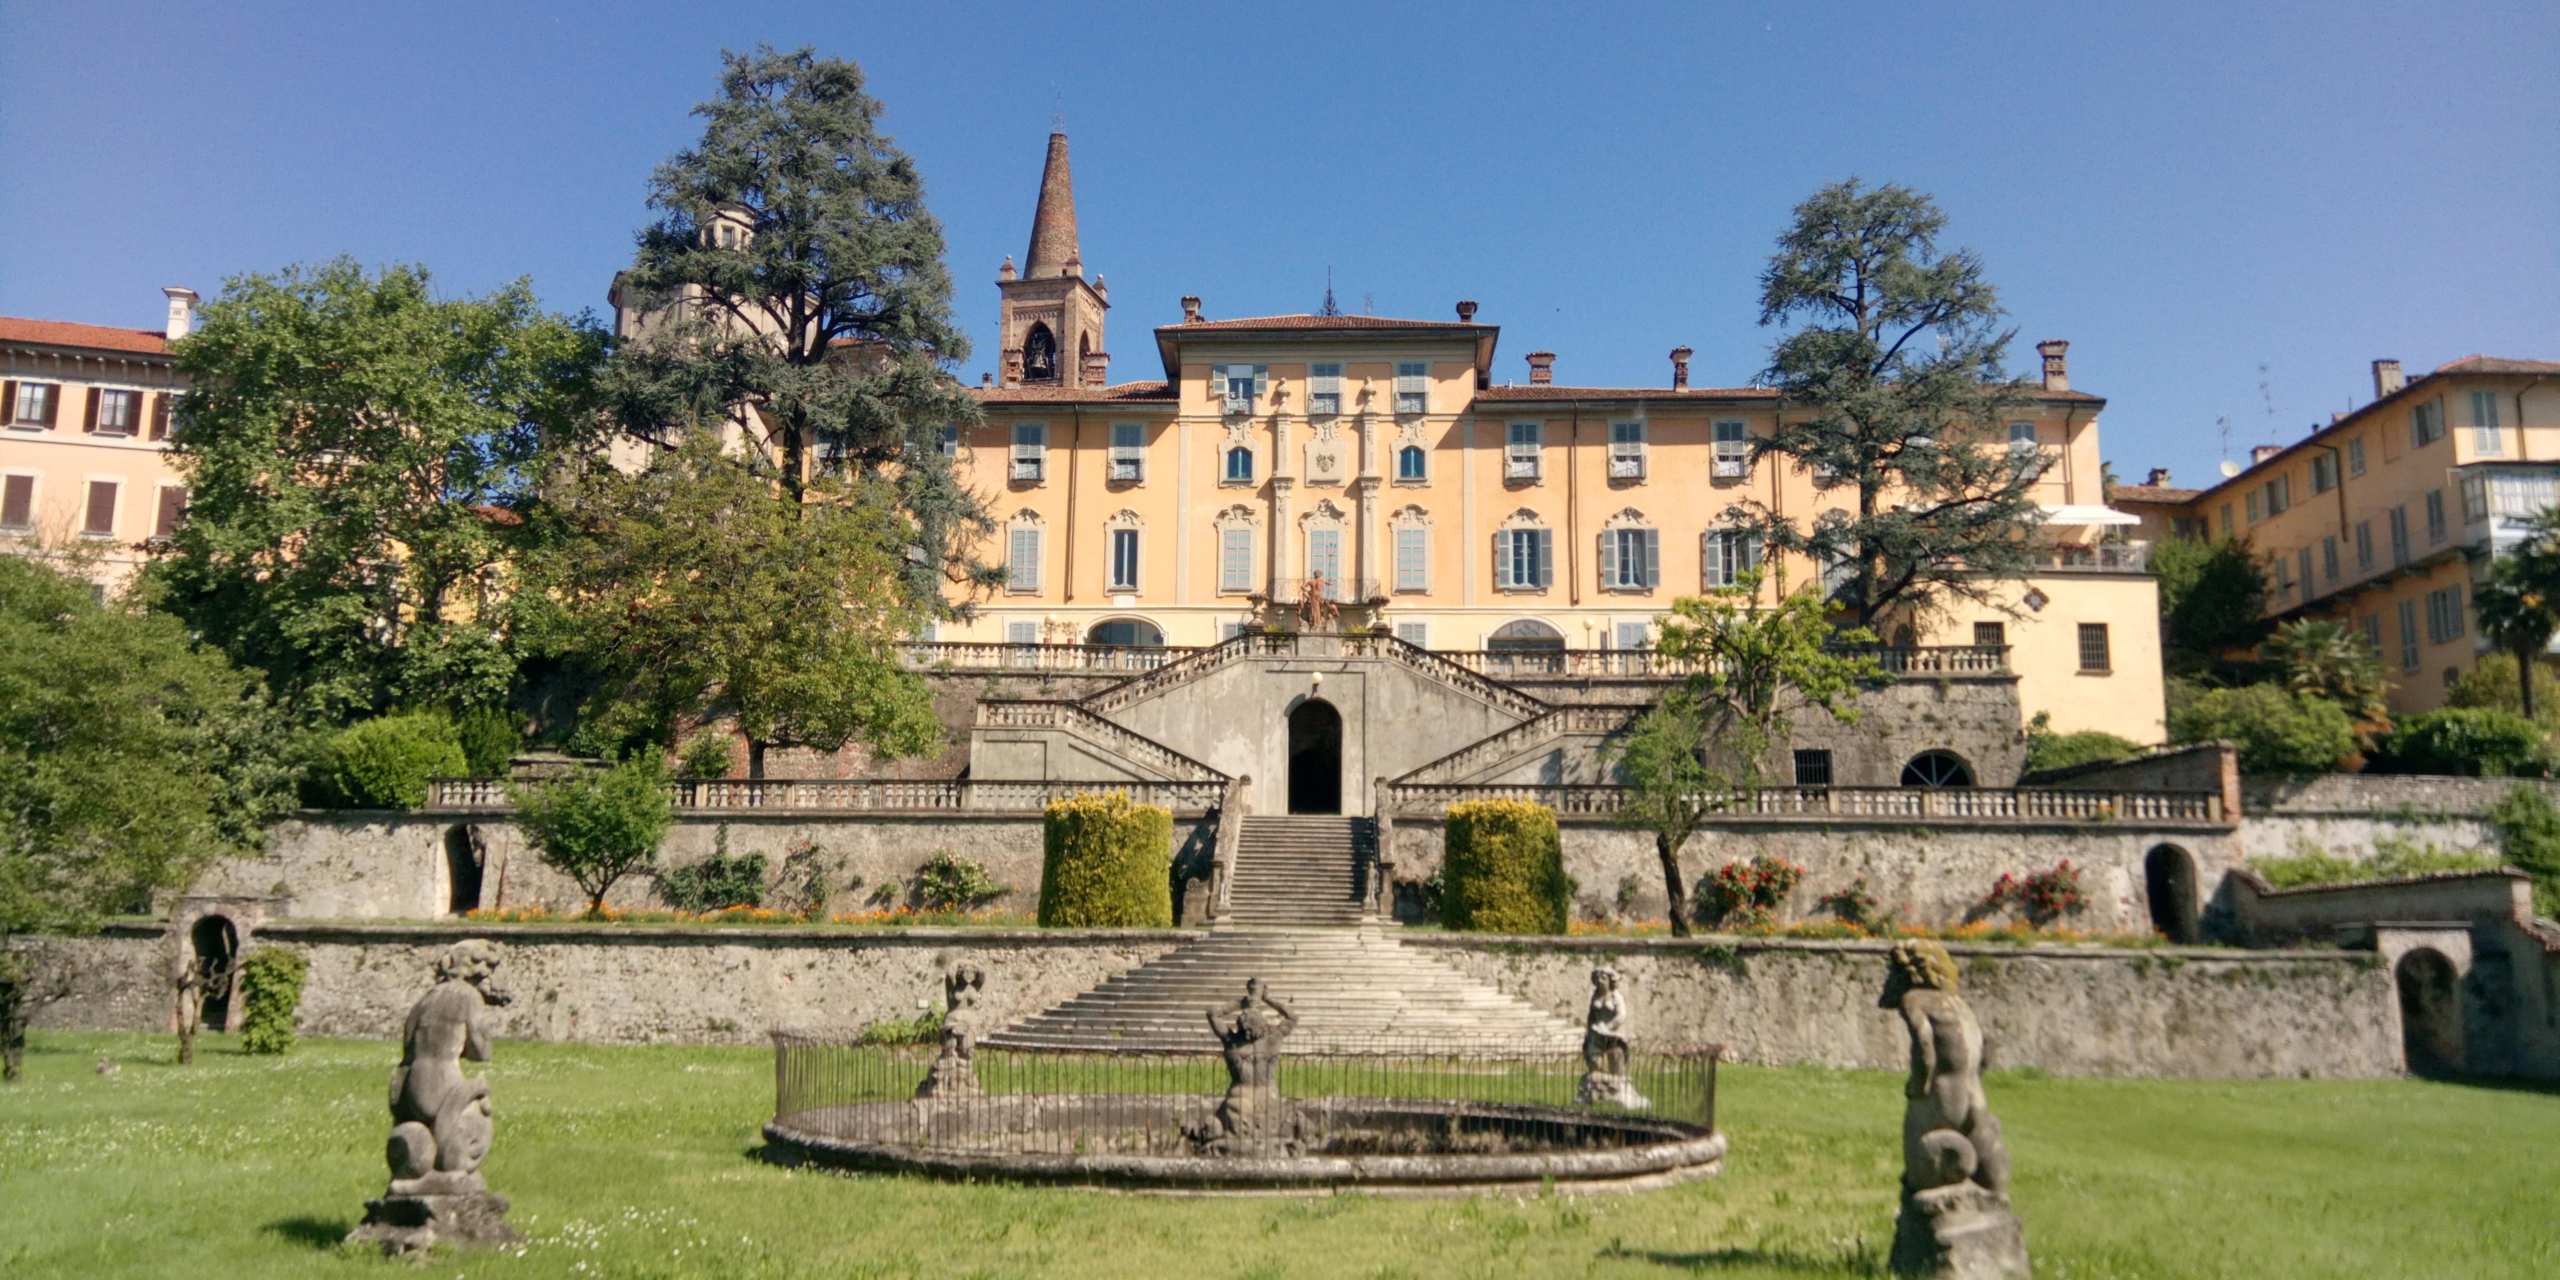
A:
(1053, 224)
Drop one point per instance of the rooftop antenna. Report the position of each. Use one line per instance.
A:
(1331, 308)
(2222, 425)
(1368, 304)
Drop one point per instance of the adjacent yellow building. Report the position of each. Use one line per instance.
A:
(85, 477)
(2384, 518)
(1382, 458)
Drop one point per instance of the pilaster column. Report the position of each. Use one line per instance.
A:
(1280, 539)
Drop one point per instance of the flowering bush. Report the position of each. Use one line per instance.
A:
(2045, 896)
(895, 917)
(1747, 894)
(1981, 932)
(1856, 906)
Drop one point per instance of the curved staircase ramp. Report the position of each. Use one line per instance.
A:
(1108, 737)
(1472, 761)
(1431, 666)
(1299, 869)
(1350, 988)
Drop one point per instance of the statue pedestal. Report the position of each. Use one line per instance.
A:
(952, 1076)
(1599, 1088)
(411, 1223)
(1960, 1232)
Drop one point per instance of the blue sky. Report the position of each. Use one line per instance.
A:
(2228, 209)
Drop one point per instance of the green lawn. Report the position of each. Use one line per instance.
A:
(640, 1162)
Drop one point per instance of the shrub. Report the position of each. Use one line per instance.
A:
(2276, 731)
(1745, 895)
(718, 881)
(599, 826)
(1857, 907)
(705, 757)
(2472, 741)
(2492, 683)
(2529, 838)
(2049, 750)
(2391, 860)
(949, 882)
(489, 737)
(924, 1028)
(270, 993)
(1106, 863)
(384, 763)
(1502, 869)
(2045, 896)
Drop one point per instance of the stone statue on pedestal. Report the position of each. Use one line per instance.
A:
(1604, 1047)
(1956, 1222)
(1251, 1119)
(440, 1118)
(955, 1070)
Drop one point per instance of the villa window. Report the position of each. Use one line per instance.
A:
(1417, 634)
(1630, 559)
(2364, 546)
(950, 441)
(2426, 424)
(17, 503)
(1412, 464)
(1324, 560)
(1022, 559)
(1413, 385)
(2444, 615)
(1324, 389)
(33, 404)
(2279, 495)
(114, 413)
(1521, 456)
(2329, 558)
(1991, 635)
(2408, 635)
(1635, 637)
(2094, 658)
(1243, 384)
(1626, 451)
(2399, 536)
(99, 519)
(2022, 437)
(2485, 435)
(1732, 450)
(1813, 767)
(2302, 565)
(2355, 456)
(1413, 558)
(172, 512)
(1030, 451)
(2373, 634)
(1523, 559)
(2435, 516)
(1235, 558)
(2324, 472)
(2257, 505)
(1727, 554)
(1239, 465)
(1128, 451)
(1124, 560)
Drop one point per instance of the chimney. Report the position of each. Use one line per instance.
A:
(1542, 367)
(2057, 374)
(2158, 479)
(2261, 452)
(1013, 366)
(182, 311)
(1190, 309)
(2387, 378)
(1006, 274)
(1097, 368)
(1680, 368)
(1466, 311)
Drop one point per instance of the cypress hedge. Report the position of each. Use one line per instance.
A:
(271, 996)
(1106, 863)
(1502, 869)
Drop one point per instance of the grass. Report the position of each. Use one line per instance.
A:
(640, 1162)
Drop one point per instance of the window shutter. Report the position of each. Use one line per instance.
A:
(102, 506)
(91, 421)
(146, 419)
(1261, 382)
(17, 501)
(1217, 383)
(173, 508)
(8, 402)
(1608, 558)
(1542, 569)
(1501, 561)
(52, 404)
(1652, 559)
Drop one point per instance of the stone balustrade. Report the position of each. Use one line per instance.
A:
(857, 795)
(1899, 804)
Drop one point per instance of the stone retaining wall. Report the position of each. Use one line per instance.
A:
(2345, 814)
(2073, 1010)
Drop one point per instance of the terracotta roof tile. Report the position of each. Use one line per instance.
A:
(1316, 322)
(96, 337)
(1114, 394)
(2152, 493)
(1551, 391)
(2476, 363)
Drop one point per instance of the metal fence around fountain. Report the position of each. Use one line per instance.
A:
(1404, 1095)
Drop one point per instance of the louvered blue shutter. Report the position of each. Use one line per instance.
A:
(1652, 560)
(1502, 561)
(1261, 384)
(1023, 562)
(1543, 569)
(1608, 558)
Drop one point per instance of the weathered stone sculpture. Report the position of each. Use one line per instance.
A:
(1956, 1221)
(1251, 1119)
(440, 1119)
(1604, 1047)
(955, 1069)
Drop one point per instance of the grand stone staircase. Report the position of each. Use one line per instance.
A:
(1300, 869)
(1350, 988)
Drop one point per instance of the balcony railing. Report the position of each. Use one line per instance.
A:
(2103, 557)
(1943, 804)
(982, 656)
(1644, 664)
(1347, 591)
(853, 795)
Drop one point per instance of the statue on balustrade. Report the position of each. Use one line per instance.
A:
(1956, 1221)
(441, 1121)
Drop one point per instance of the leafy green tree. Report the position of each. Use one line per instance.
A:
(1705, 746)
(2317, 658)
(2528, 827)
(2491, 682)
(696, 584)
(795, 278)
(2213, 597)
(131, 758)
(2519, 599)
(2276, 731)
(598, 826)
(386, 762)
(2479, 742)
(1894, 391)
(356, 452)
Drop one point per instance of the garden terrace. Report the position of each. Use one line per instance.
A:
(1824, 804)
(1619, 664)
(820, 796)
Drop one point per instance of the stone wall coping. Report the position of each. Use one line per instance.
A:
(1917, 826)
(2264, 889)
(424, 932)
(1865, 947)
(744, 815)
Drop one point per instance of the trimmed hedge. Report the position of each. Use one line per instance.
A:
(1502, 869)
(2479, 742)
(270, 995)
(384, 763)
(1106, 864)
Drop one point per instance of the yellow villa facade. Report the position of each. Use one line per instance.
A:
(2384, 518)
(1527, 522)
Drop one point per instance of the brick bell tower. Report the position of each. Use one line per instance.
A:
(1049, 323)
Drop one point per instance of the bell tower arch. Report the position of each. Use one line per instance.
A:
(1049, 317)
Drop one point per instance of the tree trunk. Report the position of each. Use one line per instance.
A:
(189, 1013)
(595, 903)
(13, 1030)
(1671, 885)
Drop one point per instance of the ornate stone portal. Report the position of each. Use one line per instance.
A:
(1956, 1221)
(1604, 1047)
(1252, 1119)
(955, 1070)
(440, 1120)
